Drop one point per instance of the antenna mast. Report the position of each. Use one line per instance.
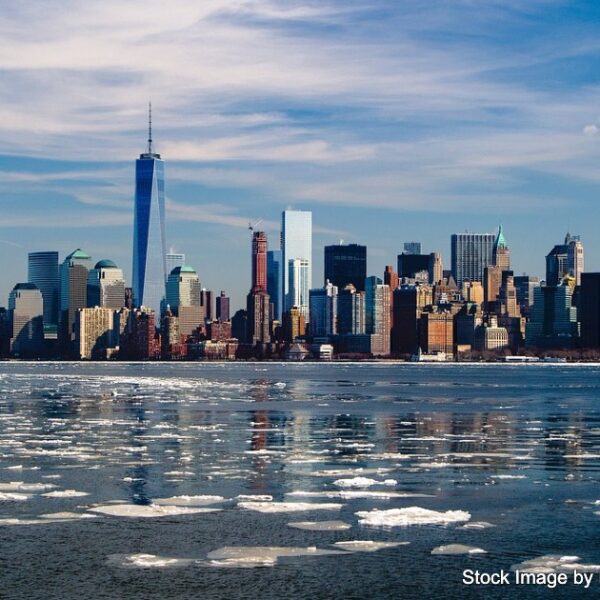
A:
(149, 127)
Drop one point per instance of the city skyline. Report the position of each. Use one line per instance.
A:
(398, 123)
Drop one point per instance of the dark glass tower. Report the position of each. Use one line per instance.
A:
(42, 270)
(345, 264)
(149, 237)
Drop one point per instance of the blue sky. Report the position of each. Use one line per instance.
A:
(391, 120)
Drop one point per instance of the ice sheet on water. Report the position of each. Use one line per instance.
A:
(147, 561)
(199, 500)
(355, 494)
(478, 525)
(412, 515)
(554, 563)
(358, 471)
(147, 511)
(282, 507)
(255, 497)
(362, 482)
(367, 545)
(20, 486)
(320, 525)
(13, 497)
(65, 494)
(260, 556)
(453, 549)
(508, 476)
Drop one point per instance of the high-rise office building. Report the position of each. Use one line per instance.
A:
(258, 301)
(589, 310)
(207, 301)
(223, 304)
(501, 254)
(565, 259)
(296, 243)
(95, 335)
(26, 320)
(346, 264)
(525, 284)
(259, 261)
(149, 237)
(183, 297)
(351, 311)
(274, 281)
(42, 270)
(73, 294)
(409, 302)
(412, 247)
(424, 268)
(299, 284)
(106, 286)
(323, 310)
(471, 254)
(436, 332)
(174, 259)
(377, 315)
(553, 322)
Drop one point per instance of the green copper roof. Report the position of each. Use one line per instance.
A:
(79, 253)
(184, 269)
(500, 241)
(105, 264)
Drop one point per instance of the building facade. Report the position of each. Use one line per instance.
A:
(42, 271)
(26, 321)
(471, 253)
(345, 264)
(296, 243)
(106, 286)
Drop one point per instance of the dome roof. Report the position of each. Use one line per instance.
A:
(79, 253)
(105, 264)
(25, 286)
(183, 269)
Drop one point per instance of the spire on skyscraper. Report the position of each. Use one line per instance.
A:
(149, 127)
(500, 240)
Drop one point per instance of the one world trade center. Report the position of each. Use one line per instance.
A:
(149, 243)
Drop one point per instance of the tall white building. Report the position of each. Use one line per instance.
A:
(95, 333)
(106, 286)
(298, 285)
(296, 243)
(184, 298)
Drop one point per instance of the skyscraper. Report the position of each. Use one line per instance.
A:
(412, 247)
(26, 321)
(471, 254)
(174, 259)
(323, 310)
(589, 310)
(73, 294)
(346, 264)
(42, 270)
(425, 268)
(274, 280)
(351, 311)
(223, 307)
(183, 297)
(501, 254)
(565, 259)
(106, 286)
(149, 237)
(377, 315)
(299, 284)
(296, 242)
(258, 301)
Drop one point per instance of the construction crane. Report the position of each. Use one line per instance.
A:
(252, 226)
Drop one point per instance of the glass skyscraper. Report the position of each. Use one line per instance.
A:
(42, 270)
(149, 236)
(471, 254)
(296, 242)
(274, 280)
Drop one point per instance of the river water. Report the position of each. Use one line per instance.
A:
(274, 480)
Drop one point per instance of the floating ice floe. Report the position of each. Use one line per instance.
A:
(508, 476)
(412, 515)
(280, 507)
(458, 549)
(20, 486)
(362, 482)
(367, 545)
(320, 525)
(554, 563)
(65, 494)
(356, 494)
(359, 471)
(478, 525)
(148, 510)
(255, 497)
(200, 500)
(147, 561)
(260, 556)
(13, 497)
